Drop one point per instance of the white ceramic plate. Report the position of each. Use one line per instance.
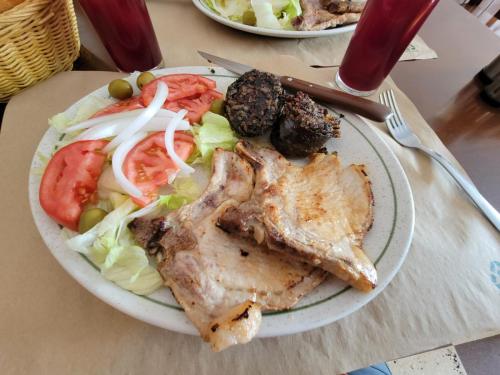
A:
(386, 244)
(202, 7)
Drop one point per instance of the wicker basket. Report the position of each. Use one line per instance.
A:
(38, 38)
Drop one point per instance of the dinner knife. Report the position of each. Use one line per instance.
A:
(363, 107)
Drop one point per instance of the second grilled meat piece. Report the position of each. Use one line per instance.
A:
(304, 127)
(316, 17)
(319, 212)
(253, 103)
(344, 6)
(222, 281)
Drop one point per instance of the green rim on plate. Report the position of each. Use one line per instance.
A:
(312, 304)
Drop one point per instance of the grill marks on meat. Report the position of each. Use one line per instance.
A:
(344, 6)
(318, 213)
(148, 233)
(324, 14)
(221, 291)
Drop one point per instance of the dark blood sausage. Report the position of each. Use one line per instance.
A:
(253, 103)
(303, 127)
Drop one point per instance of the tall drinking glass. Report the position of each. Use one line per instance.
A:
(384, 30)
(126, 31)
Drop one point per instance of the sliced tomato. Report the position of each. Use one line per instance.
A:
(70, 181)
(121, 106)
(179, 86)
(148, 165)
(196, 107)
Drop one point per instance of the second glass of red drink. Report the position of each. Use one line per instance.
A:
(126, 31)
(383, 32)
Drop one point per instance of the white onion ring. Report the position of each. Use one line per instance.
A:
(175, 124)
(118, 159)
(163, 113)
(140, 121)
(112, 128)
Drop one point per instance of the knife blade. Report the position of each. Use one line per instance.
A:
(363, 107)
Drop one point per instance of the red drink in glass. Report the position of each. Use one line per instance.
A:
(384, 31)
(126, 31)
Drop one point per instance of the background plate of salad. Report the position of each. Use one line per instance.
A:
(263, 17)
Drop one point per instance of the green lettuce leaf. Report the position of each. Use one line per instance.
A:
(215, 132)
(264, 13)
(86, 108)
(231, 9)
(186, 191)
(273, 14)
(115, 253)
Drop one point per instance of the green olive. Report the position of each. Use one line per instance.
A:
(144, 78)
(120, 89)
(217, 106)
(248, 18)
(89, 218)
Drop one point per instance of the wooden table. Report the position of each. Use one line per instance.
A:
(444, 92)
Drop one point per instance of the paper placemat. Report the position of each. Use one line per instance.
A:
(181, 29)
(447, 289)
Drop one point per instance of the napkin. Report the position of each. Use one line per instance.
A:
(447, 290)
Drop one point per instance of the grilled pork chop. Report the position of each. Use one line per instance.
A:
(323, 14)
(319, 213)
(223, 282)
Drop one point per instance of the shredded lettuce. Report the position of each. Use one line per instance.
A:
(264, 14)
(215, 132)
(174, 201)
(187, 186)
(293, 9)
(86, 108)
(186, 191)
(110, 245)
(232, 9)
(273, 14)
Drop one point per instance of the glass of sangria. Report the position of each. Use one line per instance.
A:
(126, 31)
(385, 29)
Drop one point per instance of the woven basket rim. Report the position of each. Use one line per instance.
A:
(16, 10)
(38, 39)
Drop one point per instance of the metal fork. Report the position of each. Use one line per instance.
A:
(405, 137)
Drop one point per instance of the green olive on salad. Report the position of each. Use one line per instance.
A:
(217, 106)
(120, 89)
(89, 218)
(248, 18)
(144, 78)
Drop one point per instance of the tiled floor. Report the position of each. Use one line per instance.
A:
(444, 361)
(481, 357)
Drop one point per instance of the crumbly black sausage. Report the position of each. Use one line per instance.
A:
(253, 103)
(303, 127)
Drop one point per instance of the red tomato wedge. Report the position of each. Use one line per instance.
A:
(70, 181)
(179, 86)
(196, 107)
(148, 165)
(121, 106)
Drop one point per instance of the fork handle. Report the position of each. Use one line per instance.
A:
(488, 210)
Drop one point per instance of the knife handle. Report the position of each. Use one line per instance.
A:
(364, 107)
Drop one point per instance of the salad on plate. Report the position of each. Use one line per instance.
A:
(299, 15)
(126, 157)
(167, 184)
